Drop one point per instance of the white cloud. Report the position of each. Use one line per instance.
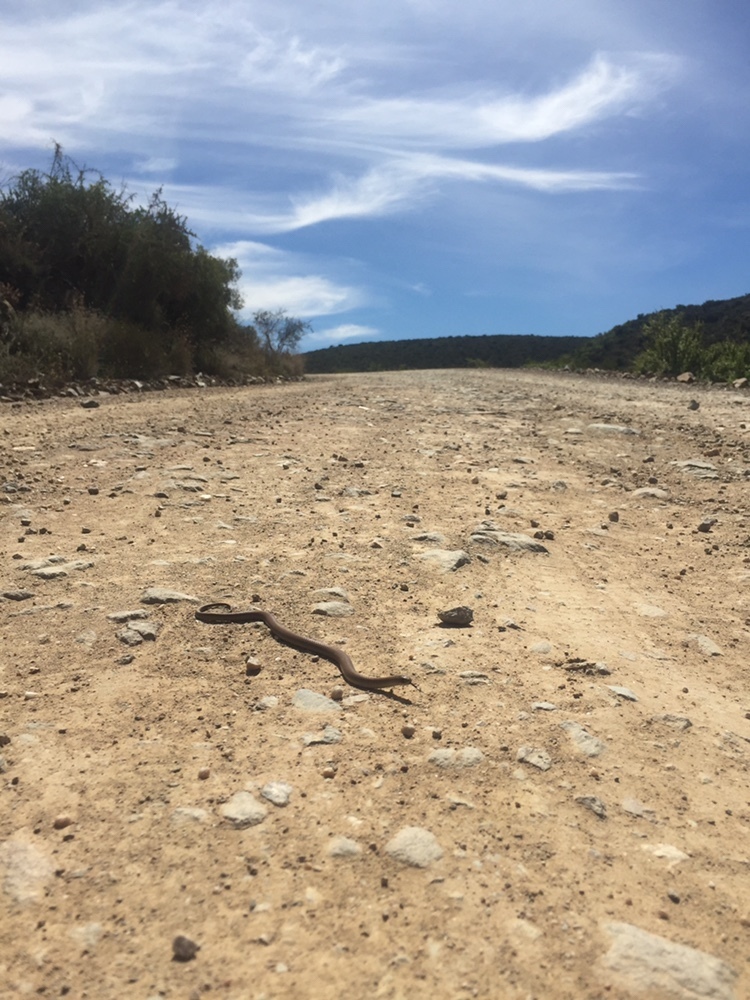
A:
(273, 279)
(346, 331)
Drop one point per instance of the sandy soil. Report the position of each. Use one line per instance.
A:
(119, 760)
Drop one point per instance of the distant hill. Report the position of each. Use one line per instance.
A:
(722, 319)
(440, 352)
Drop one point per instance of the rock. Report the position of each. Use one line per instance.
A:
(125, 616)
(650, 611)
(651, 491)
(90, 404)
(17, 595)
(448, 757)
(277, 792)
(612, 429)
(706, 525)
(54, 567)
(185, 815)
(707, 646)
(332, 592)
(740, 383)
(697, 467)
(694, 405)
(160, 595)
(183, 949)
(544, 706)
(446, 560)
(535, 757)
(344, 847)
(686, 377)
(311, 701)
(415, 846)
(542, 648)
(589, 745)
(671, 854)
(649, 964)
(25, 868)
(679, 722)
(458, 617)
(333, 609)
(329, 736)
(634, 807)
(622, 692)
(594, 804)
(243, 810)
(487, 533)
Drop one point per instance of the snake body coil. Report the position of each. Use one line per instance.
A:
(210, 614)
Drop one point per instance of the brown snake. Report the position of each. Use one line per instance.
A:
(342, 660)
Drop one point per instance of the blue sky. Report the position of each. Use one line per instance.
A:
(413, 168)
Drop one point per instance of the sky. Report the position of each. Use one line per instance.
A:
(388, 169)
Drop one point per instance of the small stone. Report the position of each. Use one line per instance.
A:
(652, 965)
(544, 706)
(634, 807)
(446, 560)
(448, 757)
(707, 646)
(344, 847)
(333, 609)
(415, 846)
(613, 516)
(204, 774)
(124, 616)
(594, 804)
(542, 647)
(17, 595)
(622, 692)
(90, 404)
(183, 949)
(458, 617)
(160, 595)
(534, 756)
(311, 701)
(706, 525)
(60, 822)
(589, 745)
(693, 404)
(407, 732)
(252, 666)
(329, 772)
(277, 792)
(243, 810)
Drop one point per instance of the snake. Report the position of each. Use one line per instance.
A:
(211, 615)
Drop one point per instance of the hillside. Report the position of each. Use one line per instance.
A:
(440, 352)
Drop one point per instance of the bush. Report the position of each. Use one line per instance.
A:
(672, 347)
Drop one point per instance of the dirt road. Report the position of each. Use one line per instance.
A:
(560, 808)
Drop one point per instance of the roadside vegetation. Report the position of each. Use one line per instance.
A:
(93, 284)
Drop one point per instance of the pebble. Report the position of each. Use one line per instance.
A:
(263, 704)
(707, 646)
(344, 847)
(407, 732)
(185, 815)
(650, 964)
(612, 429)
(622, 692)
(651, 491)
(594, 804)
(333, 609)
(445, 559)
(679, 722)
(534, 756)
(415, 846)
(458, 617)
(541, 647)
(311, 701)
(589, 745)
(634, 807)
(277, 792)
(666, 851)
(448, 757)
(243, 810)
(486, 533)
(26, 868)
(125, 616)
(544, 706)
(184, 949)
(160, 595)
(328, 737)
(17, 595)
(61, 822)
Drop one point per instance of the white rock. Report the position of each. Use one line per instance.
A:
(657, 967)
(242, 810)
(448, 757)
(415, 846)
(589, 745)
(445, 559)
(25, 868)
(535, 757)
(277, 792)
(344, 847)
(311, 701)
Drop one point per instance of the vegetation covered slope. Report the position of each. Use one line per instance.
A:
(440, 352)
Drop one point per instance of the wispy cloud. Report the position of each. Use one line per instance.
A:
(274, 279)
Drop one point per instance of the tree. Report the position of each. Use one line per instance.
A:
(671, 346)
(279, 333)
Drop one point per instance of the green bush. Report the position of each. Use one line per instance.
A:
(672, 347)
